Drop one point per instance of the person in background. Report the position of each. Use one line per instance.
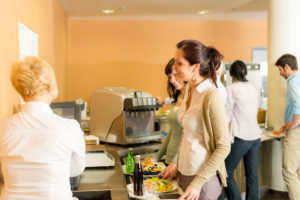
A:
(169, 147)
(205, 138)
(39, 150)
(220, 85)
(241, 108)
(288, 68)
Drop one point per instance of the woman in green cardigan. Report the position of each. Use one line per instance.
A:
(169, 148)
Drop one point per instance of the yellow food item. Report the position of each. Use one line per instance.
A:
(158, 185)
(147, 161)
(149, 166)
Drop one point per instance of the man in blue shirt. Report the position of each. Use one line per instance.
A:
(287, 66)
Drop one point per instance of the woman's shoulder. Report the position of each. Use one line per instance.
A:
(249, 87)
(239, 86)
(68, 124)
(11, 123)
(212, 91)
(212, 94)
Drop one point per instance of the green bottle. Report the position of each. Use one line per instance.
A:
(130, 162)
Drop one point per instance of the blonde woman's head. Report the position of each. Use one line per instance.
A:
(33, 77)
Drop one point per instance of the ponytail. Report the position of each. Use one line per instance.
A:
(215, 59)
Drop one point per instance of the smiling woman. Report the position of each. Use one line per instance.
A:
(205, 138)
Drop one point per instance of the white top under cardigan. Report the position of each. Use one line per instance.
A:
(241, 110)
(192, 152)
(39, 151)
(221, 89)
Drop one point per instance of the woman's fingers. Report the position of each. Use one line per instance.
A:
(183, 196)
(195, 197)
(167, 175)
(162, 173)
(190, 193)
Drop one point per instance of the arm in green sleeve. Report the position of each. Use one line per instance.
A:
(163, 148)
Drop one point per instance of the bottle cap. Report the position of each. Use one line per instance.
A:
(130, 149)
(137, 158)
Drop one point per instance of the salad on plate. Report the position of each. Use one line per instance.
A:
(158, 185)
(150, 167)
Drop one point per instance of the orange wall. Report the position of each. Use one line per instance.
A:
(60, 49)
(134, 53)
(48, 19)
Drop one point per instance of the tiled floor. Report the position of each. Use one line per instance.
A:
(271, 195)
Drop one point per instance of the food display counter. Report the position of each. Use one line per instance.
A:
(111, 182)
(103, 183)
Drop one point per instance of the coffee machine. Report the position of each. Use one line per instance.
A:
(123, 116)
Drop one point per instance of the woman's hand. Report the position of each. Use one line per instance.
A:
(169, 172)
(190, 193)
(159, 99)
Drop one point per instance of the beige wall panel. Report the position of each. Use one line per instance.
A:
(49, 21)
(134, 53)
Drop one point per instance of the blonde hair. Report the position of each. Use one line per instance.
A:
(31, 76)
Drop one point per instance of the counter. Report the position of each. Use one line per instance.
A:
(268, 135)
(112, 179)
(101, 179)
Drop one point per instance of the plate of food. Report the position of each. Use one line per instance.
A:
(156, 185)
(146, 195)
(150, 168)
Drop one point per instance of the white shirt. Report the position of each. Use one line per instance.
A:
(241, 110)
(39, 151)
(192, 152)
(221, 89)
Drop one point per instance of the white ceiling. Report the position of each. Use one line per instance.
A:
(167, 9)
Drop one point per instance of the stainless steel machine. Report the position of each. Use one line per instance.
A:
(123, 116)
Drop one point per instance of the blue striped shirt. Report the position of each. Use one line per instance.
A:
(292, 97)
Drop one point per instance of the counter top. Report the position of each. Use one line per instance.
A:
(112, 179)
(143, 148)
(99, 179)
(268, 135)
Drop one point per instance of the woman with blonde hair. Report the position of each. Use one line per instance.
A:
(39, 150)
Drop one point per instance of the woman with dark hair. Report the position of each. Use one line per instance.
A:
(242, 107)
(169, 148)
(205, 137)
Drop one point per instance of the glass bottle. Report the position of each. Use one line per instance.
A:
(138, 177)
(130, 162)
